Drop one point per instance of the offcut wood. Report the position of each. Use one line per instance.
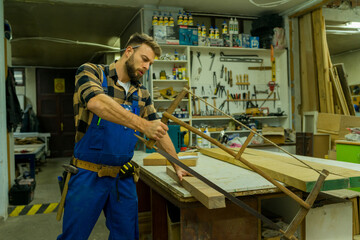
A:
(208, 196)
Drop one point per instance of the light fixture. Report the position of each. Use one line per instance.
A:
(352, 24)
(343, 31)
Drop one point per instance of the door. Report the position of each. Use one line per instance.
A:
(55, 88)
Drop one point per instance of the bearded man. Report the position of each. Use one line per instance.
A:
(110, 105)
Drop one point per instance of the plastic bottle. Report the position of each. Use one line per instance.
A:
(236, 26)
(166, 20)
(217, 35)
(180, 18)
(176, 55)
(155, 19)
(224, 28)
(205, 142)
(231, 26)
(211, 33)
(185, 19)
(203, 30)
(174, 72)
(199, 139)
(171, 20)
(160, 20)
(199, 30)
(190, 20)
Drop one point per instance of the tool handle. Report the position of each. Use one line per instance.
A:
(63, 196)
(150, 144)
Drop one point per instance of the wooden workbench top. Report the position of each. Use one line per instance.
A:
(233, 179)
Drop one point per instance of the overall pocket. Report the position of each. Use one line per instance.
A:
(97, 137)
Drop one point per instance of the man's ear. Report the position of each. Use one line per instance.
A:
(129, 51)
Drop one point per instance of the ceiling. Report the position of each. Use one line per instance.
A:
(67, 33)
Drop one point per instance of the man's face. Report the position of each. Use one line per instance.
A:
(139, 62)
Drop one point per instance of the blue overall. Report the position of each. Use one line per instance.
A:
(111, 144)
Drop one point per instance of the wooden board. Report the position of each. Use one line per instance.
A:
(290, 174)
(319, 54)
(345, 87)
(208, 196)
(156, 159)
(352, 175)
(309, 84)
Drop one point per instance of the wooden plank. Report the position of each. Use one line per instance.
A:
(339, 92)
(345, 87)
(353, 175)
(292, 175)
(308, 74)
(318, 45)
(156, 159)
(208, 196)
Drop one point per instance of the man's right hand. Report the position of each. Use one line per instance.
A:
(156, 130)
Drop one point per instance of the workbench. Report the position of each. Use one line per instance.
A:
(28, 154)
(196, 221)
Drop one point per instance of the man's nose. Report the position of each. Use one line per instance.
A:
(146, 65)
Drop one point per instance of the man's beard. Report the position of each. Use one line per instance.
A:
(131, 71)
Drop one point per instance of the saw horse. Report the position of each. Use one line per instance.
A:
(304, 205)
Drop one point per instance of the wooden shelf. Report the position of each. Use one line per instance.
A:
(234, 131)
(167, 100)
(170, 61)
(169, 81)
(253, 100)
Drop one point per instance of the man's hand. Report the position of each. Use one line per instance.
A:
(156, 130)
(181, 172)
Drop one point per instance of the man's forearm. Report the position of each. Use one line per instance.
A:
(167, 145)
(108, 109)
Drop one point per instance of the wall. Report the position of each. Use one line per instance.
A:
(351, 61)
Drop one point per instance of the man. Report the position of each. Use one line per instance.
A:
(109, 102)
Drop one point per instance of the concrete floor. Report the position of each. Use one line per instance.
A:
(45, 226)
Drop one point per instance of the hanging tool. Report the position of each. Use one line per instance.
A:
(222, 71)
(206, 106)
(228, 100)
(214, 80)
(200, 113)
(240, 58)
(255, 96)
(226, 76)
(194, 103)
(71, 170)
(274, 98)
(247, 81)
(198, 57)
(266, 98)
(214, 102)
(244, 100)
(212, 54)
(273, 65)
(197, 77)
(202, 90)
(231, 79)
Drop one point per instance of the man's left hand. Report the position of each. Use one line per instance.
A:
(181, 172)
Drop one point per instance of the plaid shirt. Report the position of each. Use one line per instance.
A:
(88, 82)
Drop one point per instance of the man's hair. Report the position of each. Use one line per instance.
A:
(138, 39)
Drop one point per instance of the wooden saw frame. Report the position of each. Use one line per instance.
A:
(305, 205)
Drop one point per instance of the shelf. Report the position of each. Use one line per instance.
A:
(234, 131)
(169, 81)
(170, 61)
(195, 118)
(237, 49)
(167, 100)
(173, 46)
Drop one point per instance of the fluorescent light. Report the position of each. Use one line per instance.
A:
(343, 32)
(352, 24)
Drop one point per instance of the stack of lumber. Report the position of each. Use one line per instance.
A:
(324, 86)
(290, 171)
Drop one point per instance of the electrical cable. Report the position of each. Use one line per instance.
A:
(65, 41)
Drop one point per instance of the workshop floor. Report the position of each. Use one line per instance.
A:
(45, 226)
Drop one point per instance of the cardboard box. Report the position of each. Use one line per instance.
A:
(335, 125)
(188, 35)
(159, 33)
(274, 134)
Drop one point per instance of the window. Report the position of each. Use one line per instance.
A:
(19, 75)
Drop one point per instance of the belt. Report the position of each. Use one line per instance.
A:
(105, 170)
